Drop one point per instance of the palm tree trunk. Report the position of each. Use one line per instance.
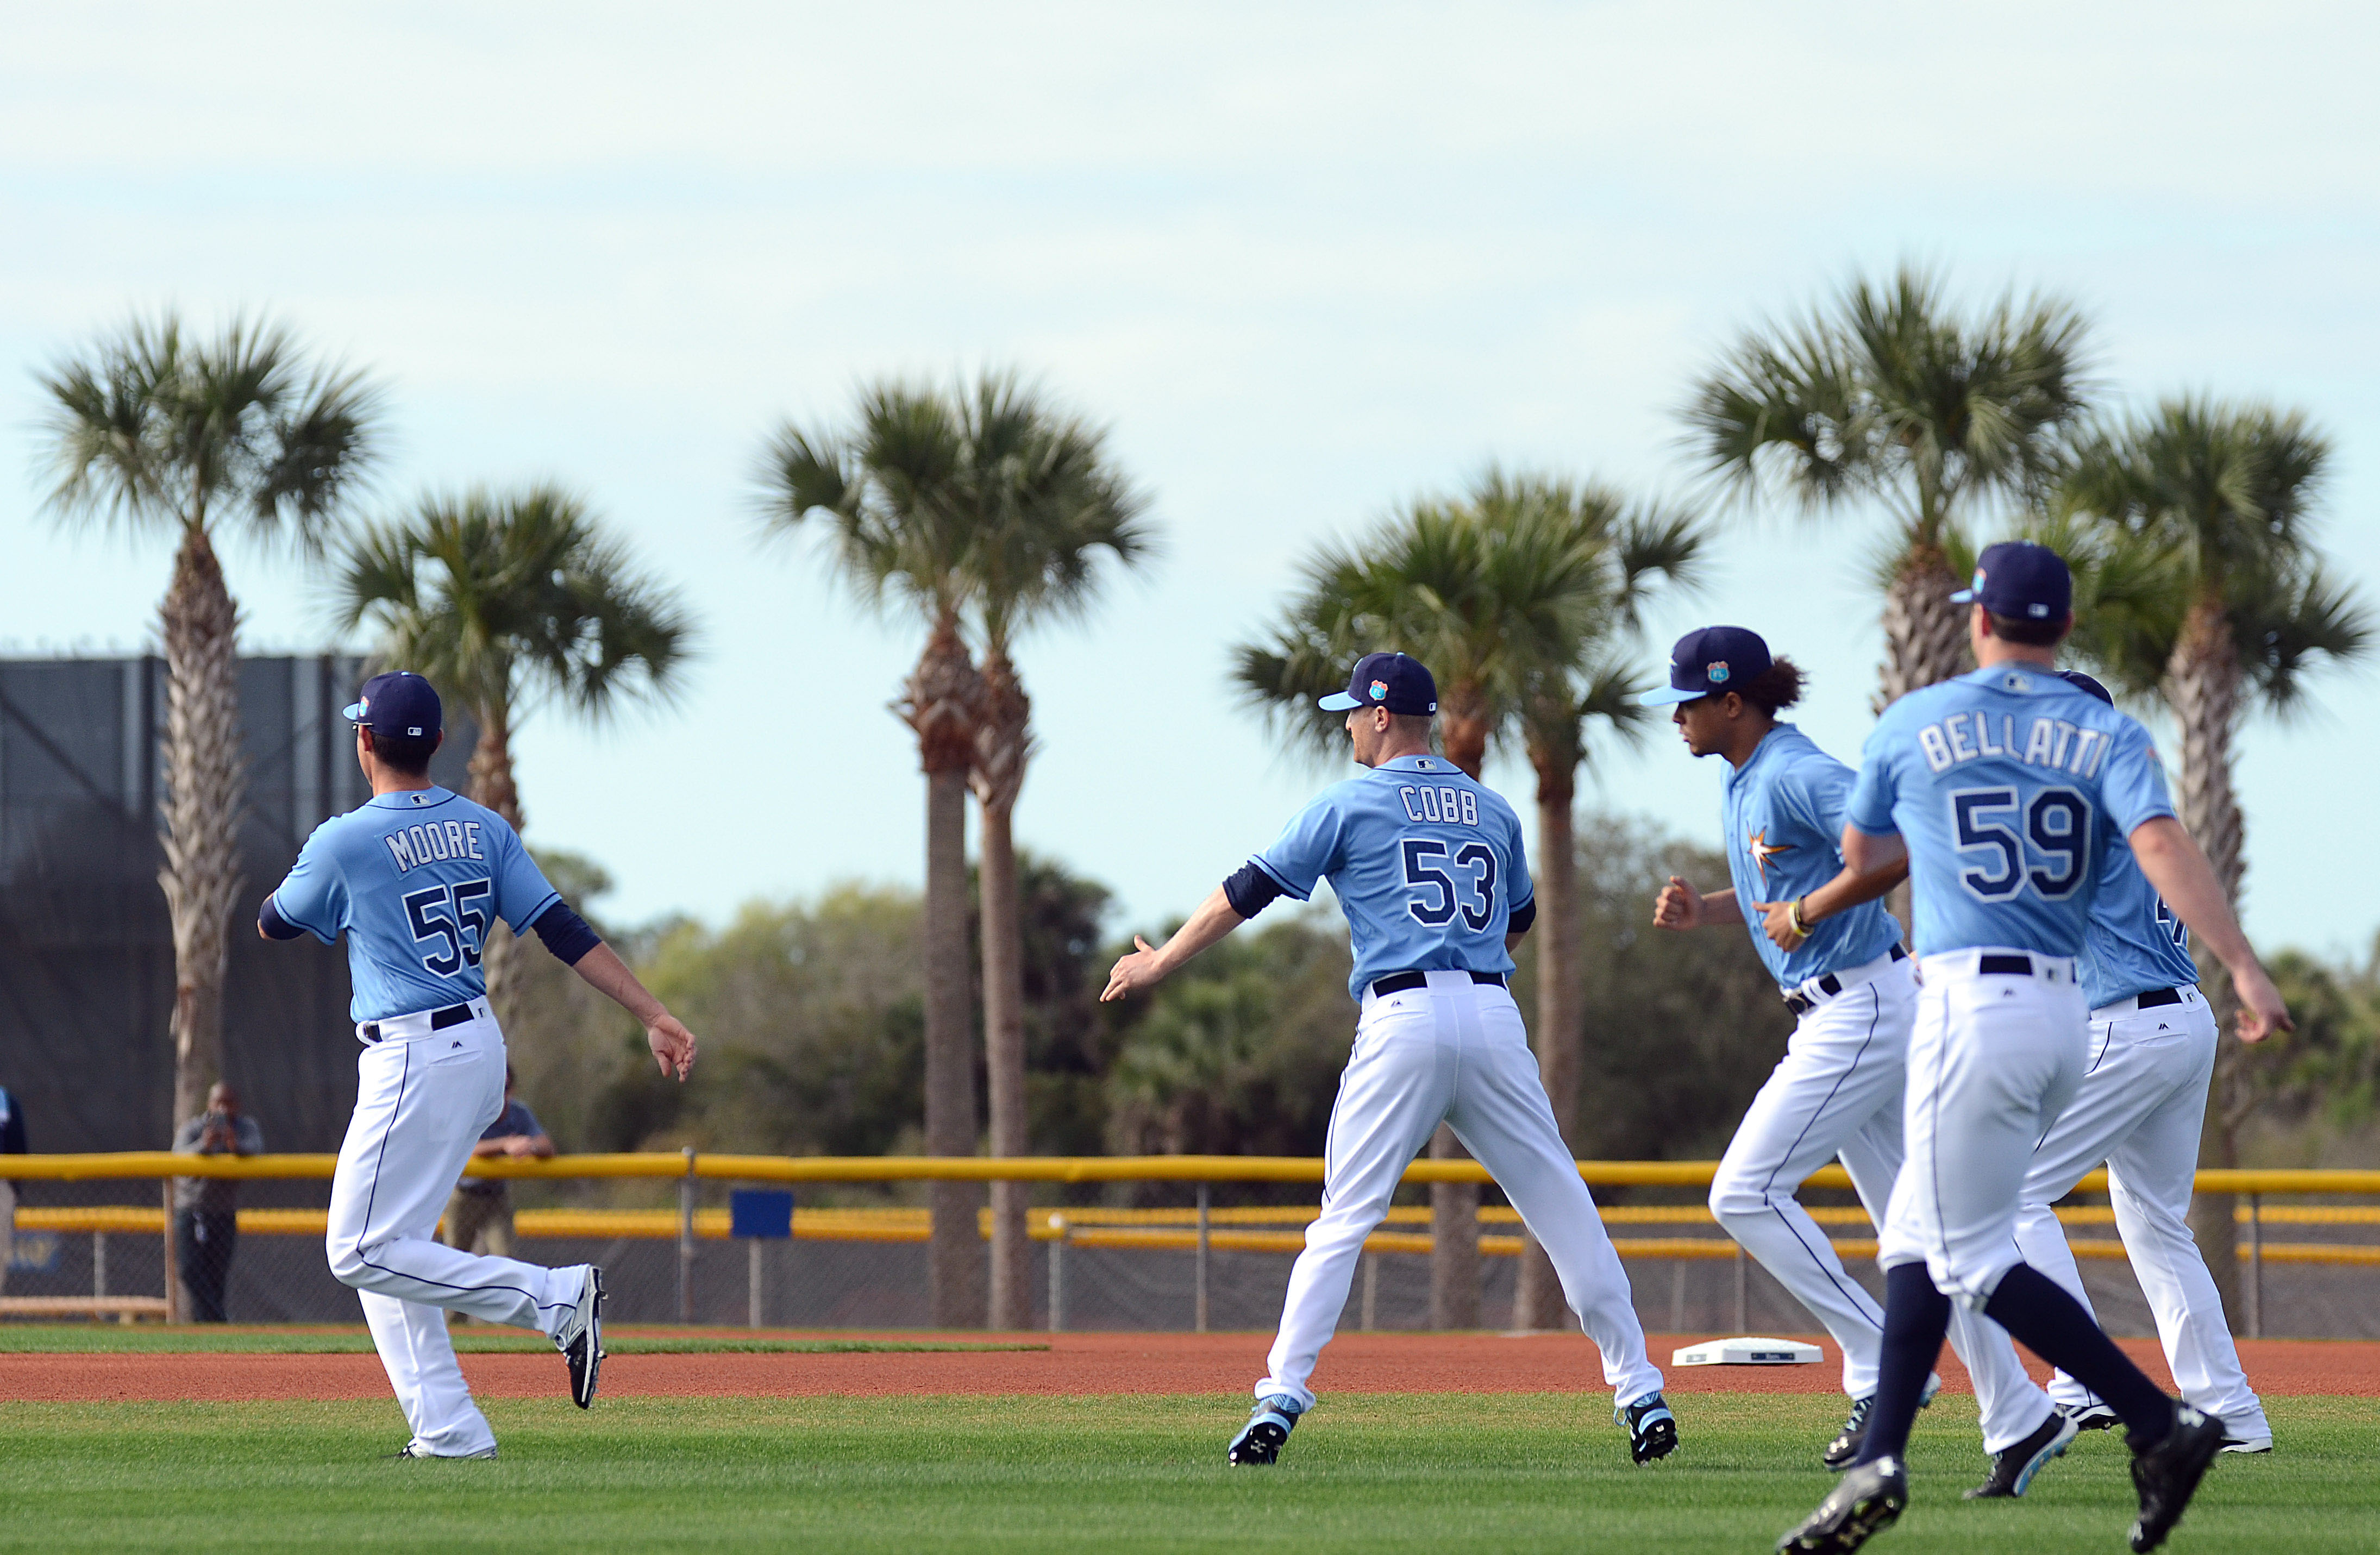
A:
(1454, 1242)
(1002, 747)
(493, 786)
(2203, 686)
(940, 705)
(1454, 1207)
(206, 783)
(1561, 1036)
(1924, 633)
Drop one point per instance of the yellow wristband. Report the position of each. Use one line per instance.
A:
(1794, 916)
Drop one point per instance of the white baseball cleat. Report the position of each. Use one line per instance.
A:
(581, 1339)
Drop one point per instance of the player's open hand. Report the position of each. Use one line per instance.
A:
(672, 1043)
(2262, 1013)
(1136, 971)
(1680, 905)
(1777, 922)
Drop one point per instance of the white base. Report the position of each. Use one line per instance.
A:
(1748, 1352)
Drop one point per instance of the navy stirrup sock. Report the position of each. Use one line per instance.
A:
(2053, 1325)
(1916, 1317)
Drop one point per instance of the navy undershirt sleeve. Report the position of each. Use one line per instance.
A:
(565, 933)
(275, 927)
(1523, 918)
(1250, 890)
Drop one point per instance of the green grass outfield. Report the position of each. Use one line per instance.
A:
(109, 1339)
(1430, 1473)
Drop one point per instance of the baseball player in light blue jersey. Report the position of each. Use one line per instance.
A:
(2000, 787)
(2139, 1109)
(1430, 867)
(415, 879)
(1838, 1091)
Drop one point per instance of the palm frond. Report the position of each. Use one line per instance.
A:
(153, 430)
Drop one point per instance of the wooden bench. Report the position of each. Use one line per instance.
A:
(124, 1309)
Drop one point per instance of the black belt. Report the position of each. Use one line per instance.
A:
(2004, 966)
(1830, 985)
(453, 1015)
(2156, 998)
(1398, 982)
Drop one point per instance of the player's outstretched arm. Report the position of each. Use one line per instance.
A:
(672, 1043)
(2181, 875)
(1147, 965)
(1681, 906)
(1873, 865)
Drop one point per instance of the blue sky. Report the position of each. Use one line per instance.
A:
(1305, 260)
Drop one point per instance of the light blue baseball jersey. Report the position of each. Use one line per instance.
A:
(2006, 783)
(1427, 864)
(414, 880)
(1783, 812)
(2135, 943)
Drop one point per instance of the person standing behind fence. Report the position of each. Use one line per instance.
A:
(479, 1214)
(12, 1143)
(206, 1210)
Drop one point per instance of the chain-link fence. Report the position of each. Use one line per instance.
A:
(865, 1267)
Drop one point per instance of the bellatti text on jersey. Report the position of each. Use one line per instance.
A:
(2006, 783)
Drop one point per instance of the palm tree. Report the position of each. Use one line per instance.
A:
(1888, 397)
(903, 537)
(2209, 513)
(1514, 595)
(156, 433)
(1045, 504)
(505, 599)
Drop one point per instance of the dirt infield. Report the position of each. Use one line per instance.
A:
(1075, 1363)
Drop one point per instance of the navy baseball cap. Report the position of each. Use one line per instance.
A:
(1710, 662)
(2021, 581)
(1394, 681)
(399, 704)
(2085, 683)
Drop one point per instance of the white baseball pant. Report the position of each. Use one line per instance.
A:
(1837, 1093)
(2139, 1109)
(1454, 1051)
(422, 1100)
(1993, 1061)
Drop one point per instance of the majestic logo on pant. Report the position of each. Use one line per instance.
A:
(1763, 850)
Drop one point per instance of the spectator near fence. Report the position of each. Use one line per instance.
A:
(206, 1210)
(480, 1214)
(12, 1143)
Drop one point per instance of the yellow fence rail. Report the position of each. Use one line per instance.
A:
(1202, 1230)
(1031, 1169)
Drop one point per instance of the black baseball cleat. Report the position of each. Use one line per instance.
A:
(581, 1338)
(2014, 1466)
(1844, 1450)
(1652, 1430)
(2168, 1474)
(2091, 1416)
(1268, 1426)
(414, 1449)
(1865, 1502)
